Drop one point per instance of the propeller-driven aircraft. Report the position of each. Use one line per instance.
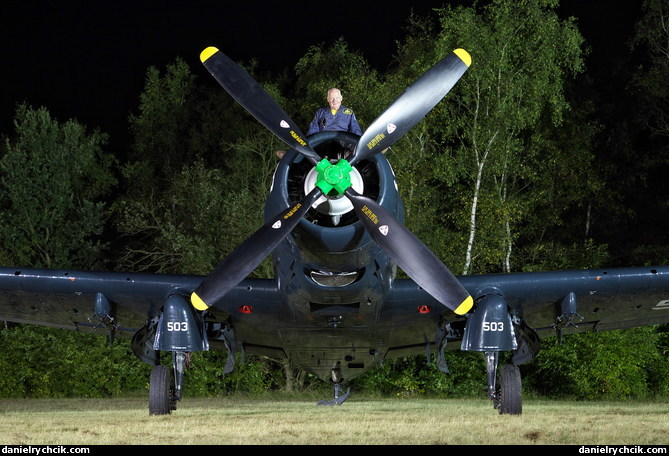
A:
(336, 308)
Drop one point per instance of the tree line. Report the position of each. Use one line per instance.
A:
(530, 163)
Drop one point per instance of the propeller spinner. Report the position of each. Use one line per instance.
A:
(334, 180)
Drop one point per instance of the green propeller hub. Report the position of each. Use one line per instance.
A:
(333, 178)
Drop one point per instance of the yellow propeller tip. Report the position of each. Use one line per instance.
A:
(464, 56)
(208, 52)
(465, 306)
(197, 302)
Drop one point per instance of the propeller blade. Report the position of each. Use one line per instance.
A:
(414, 104)
(411, 254)
(248, 255)
(248, 93)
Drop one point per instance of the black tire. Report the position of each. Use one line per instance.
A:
(161, 391)
(510, 390)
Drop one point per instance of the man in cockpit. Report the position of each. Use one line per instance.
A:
(334, 117)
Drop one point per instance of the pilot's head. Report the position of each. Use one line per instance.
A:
(334, 99)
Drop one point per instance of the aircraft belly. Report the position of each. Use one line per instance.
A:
(355, 350)
(351, 351)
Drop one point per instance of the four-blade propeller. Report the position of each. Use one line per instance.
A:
(410, 254)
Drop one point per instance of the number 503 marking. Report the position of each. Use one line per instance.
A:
(493, 326)
(177, 326)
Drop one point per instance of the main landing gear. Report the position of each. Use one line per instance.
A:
(505, 387)
(165, 385)
(491, 329)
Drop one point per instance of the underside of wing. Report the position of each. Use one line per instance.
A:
(581, 300)
(105, 301)
(513, 311)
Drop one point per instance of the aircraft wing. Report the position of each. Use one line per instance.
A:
(574, 301)
(594, 299)
(540, 303)
(90, 301)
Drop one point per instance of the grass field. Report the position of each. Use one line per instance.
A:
(358, 422)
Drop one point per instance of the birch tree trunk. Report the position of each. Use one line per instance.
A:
(481, 159)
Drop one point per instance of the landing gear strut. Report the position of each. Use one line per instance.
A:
(505, 389)
(165, 385)
(178, 330)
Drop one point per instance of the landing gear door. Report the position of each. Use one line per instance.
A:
(489, 328)
(179, 328)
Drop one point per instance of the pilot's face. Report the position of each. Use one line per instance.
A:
(334, 99)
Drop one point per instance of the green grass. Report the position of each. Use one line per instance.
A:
(234, 420)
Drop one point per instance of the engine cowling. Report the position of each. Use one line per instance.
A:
(330, 248)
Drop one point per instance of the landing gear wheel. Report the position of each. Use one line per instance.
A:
(509, 390)
(161, 391)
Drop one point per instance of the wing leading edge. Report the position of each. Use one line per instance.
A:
(598, 299)
(89, 301)
(580, 300)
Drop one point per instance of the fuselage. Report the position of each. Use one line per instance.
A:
(329, 263)
(329, 270)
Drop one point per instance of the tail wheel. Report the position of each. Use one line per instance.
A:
(161, 391)
(510, 390)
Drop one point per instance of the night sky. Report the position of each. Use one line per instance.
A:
(88, 59)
